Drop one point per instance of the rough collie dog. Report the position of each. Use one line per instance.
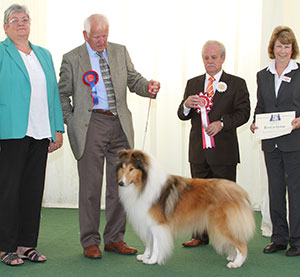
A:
(161, 206)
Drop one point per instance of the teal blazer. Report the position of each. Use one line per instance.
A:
(15, 91)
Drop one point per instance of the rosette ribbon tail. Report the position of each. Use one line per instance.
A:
(208, 142)
(94, 93)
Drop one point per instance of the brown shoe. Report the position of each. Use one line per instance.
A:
(120, 247)
(92, 252)
(194, 243)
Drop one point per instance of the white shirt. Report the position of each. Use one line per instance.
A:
(38, 121)
(215, 83)
(278, 80)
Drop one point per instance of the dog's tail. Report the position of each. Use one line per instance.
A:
(235, 211)
(241, 221)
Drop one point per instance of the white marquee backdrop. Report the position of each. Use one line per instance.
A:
(165, 44)
(164, 39)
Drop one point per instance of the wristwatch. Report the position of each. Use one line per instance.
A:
(222, 121)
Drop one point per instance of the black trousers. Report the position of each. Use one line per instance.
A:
(207, 171)
(22, 176)
(284, 175)
(216, 171)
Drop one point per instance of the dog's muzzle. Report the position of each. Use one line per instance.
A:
(121, 183)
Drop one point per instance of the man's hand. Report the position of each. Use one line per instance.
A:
(214, 128)
(153, 86)
(193, 101)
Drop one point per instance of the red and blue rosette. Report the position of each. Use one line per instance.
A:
(203, 108)
(91, 78)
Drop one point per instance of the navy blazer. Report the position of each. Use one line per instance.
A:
(233, 105)
(288, 99)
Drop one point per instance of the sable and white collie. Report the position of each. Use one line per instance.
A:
(160, 206)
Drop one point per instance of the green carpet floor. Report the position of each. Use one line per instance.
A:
(59, 240)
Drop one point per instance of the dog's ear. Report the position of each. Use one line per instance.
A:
(123, 154)
(140, 161)
(138, 156)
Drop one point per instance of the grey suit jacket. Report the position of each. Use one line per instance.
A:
(233, 105)
(76, 97)
(288, 99)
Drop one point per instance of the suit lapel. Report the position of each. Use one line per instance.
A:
(202, 83)
(284, 85)
(114, 67)
(113, 63)
(13, 52)
(199, 86)
(84, 59)
(224, 78)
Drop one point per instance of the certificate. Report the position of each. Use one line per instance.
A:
(272, 125)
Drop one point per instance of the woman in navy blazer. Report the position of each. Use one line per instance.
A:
(279, 91)
(31, 125)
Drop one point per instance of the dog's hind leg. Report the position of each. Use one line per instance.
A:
(231, 254)
(241, 255)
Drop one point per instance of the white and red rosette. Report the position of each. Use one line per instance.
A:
(203, 108)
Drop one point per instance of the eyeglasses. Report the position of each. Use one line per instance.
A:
(17, 21)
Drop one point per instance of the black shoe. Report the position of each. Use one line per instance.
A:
(274, 247)
(293, 251)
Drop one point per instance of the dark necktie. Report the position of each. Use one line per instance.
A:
(104, 67)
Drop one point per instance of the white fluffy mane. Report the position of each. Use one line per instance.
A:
(137, 204)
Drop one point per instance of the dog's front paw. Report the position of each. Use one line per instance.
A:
(150, 261)
(233, 265)
(142, 257)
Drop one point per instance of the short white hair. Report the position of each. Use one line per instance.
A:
(220, 44)
(99, 18)
(15, 8)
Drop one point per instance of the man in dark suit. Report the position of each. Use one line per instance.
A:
(99, 125)
(216, 103)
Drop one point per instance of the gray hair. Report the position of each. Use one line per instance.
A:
(220, 44)
(15, 8)
(101, 20)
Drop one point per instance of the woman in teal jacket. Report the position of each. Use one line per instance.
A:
(31, 125)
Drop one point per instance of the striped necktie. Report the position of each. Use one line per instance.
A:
(210, 87)
(104, 67)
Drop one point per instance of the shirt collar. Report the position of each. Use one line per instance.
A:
(217, 76)
(91, 51)
(291, 66)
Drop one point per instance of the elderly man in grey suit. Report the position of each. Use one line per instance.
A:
(93, 85)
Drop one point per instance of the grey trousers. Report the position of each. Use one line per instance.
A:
(105, 138)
